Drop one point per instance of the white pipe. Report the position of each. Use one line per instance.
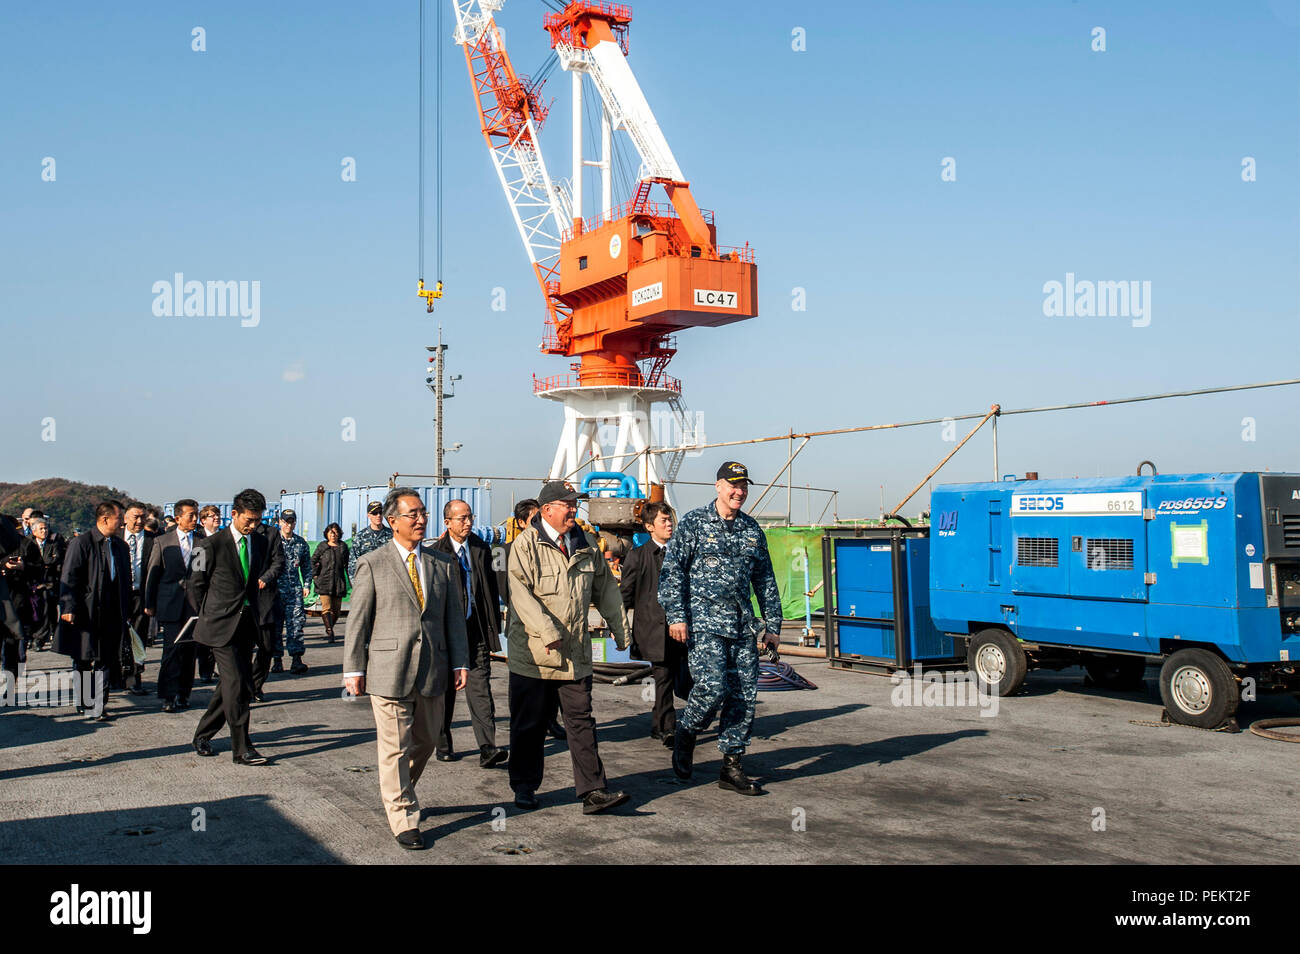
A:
(577, 144)
(606, 188)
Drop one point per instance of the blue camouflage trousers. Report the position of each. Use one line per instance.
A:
(725, 672)
(292, 620)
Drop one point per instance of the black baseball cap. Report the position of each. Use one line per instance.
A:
(734, 472)
(288, 516)
(374, 507)
(557, 490)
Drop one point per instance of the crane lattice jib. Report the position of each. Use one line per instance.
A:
(510, 111)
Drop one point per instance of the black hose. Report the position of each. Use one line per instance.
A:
(1262, 727)
(781, 677)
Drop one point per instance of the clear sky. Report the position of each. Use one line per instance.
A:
(924, 297)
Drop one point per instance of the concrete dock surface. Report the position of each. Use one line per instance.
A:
(1059, 775)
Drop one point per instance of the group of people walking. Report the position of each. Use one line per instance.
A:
(425, 617)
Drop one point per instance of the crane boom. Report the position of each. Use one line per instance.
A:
(510, 111)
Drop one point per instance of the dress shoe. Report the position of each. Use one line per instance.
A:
(525, 799)
(169, 705)
(683, 753)
(259, 695)
(444, 755)
(556, 731)
(670, 739)
(183, 703)
(203, 747)
(490, 756)
(210, 680)
(411, 839)
(249, 758)
(277, 664)
(656, 735)
(103, 717)
(299, 667)
(733, 777)
(600, 800)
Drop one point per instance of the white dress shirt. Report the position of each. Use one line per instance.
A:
(553, 533)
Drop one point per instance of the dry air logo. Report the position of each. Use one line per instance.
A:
(947, 523)
(77, 907)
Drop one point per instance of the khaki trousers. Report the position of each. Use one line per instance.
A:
(405, 739)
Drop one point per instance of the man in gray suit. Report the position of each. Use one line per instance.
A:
(405, 638)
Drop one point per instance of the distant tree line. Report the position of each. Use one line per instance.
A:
(70, 504)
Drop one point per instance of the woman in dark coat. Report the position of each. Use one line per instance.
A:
(329, 567)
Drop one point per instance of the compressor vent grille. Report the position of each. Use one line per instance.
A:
(1036, 551)
(1291, 530)
(1110, 553)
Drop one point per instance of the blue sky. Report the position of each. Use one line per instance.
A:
(924, 297)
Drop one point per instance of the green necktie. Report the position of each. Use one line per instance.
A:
(243, 556)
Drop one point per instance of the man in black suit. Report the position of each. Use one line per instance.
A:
(224, 582)
(268, 608)
(479, 593)
(650, 638)
(139, 542)
(51, 549)
(168, 603)
(94, 598)
(209, 526)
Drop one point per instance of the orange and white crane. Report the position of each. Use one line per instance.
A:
(617, 285)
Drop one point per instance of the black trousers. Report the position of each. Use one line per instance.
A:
(531, 702)
(137, 620)
(176, 671)
(665, 674)
(478, 696)
(267, 637)
(13, 650)
(230, 700)
(207, 663)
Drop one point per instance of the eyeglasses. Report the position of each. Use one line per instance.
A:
(414, 515)
(461, 519)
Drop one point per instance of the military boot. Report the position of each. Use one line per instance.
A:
(733, 777)
(683, 752)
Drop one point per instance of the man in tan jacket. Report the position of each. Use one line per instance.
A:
(556, 572)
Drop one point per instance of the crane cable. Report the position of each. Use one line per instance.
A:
(436, 292)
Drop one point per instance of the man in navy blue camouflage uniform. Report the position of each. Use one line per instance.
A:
(368, 538)
(712, 561)
(294, 583)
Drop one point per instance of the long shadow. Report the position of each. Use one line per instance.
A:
(238, 830)
(321, 738)
(773, 765)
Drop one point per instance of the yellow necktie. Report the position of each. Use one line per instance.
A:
(415, 578)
